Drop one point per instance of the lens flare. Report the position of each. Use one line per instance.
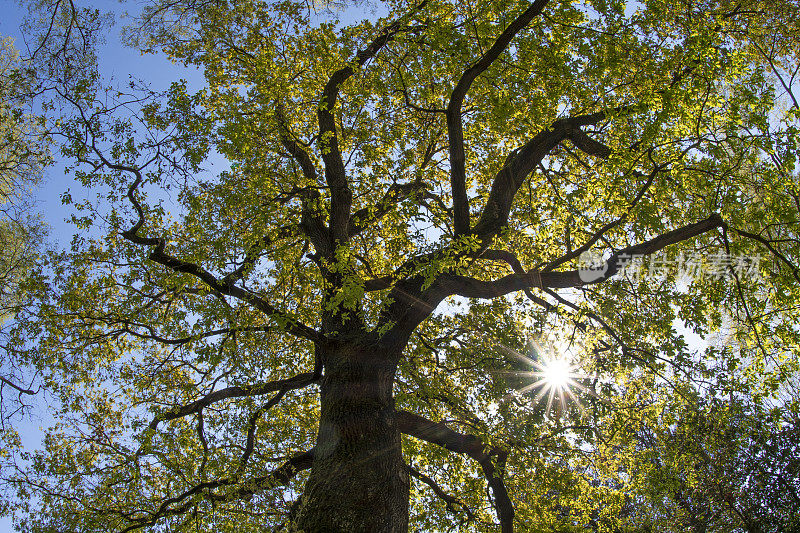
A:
(555, 376)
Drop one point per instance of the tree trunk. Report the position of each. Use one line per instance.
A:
(358, 482)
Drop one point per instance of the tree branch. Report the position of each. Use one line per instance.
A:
(278, 477)
(441, 435)
(521, 162)
(312, 223)
(224, 286)
(475, 288)
(254, 252)
(18, 388)
(335, 175)
(454, 127)
(450, 500)
(768, 244)
(281, 386)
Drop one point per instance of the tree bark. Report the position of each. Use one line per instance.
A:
(358, 480)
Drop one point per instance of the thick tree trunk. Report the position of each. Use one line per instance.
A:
(358, 481)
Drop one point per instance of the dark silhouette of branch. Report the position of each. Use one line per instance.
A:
(223, 286)
(769, 245)
(450, 500)
(491, 458)
(284, 385)
(521, 162)
(454, 127)
(475, 288)
(312, 222)
(278, 477)
(341, 195)
(21, 390)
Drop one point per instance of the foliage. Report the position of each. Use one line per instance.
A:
(707, 463)
(24, 151)
(415, 190)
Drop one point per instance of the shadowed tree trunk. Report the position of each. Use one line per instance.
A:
(358, 481)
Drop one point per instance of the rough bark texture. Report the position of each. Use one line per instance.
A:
(358, 481)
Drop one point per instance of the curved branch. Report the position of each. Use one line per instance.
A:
(312, 223)
(341, 195)
(223, 286)
(18, 388)
(454, 127)
(278, 477)
(297, 382)
(521, 162)
(441, 435)
(152, 335)
(768, 244)
(450, 500)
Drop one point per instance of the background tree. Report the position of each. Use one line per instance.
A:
(23, 154)
(703, 463)
(305, 294)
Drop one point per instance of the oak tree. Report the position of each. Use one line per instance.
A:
(307, 292)
(24, 151)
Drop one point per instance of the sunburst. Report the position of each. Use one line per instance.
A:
(555, 376)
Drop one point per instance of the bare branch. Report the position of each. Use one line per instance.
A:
(18, 388)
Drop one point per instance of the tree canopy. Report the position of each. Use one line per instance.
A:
(430, 266)
(23, 154)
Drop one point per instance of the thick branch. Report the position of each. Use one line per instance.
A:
(296, 382)
(441, 435)
(521, 162)
(312, 222)
(454, 127)
(475, 288)
(341, 195)
(224, 286)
